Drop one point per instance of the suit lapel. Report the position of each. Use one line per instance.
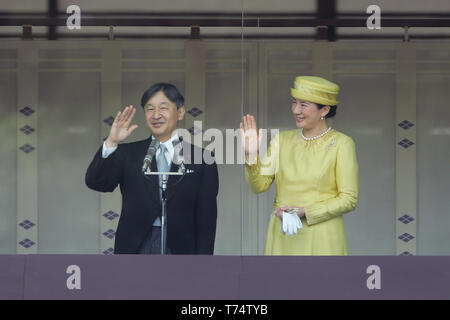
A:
(172, 180)
(171, 183)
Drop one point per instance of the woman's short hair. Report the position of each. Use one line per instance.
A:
(171, 92)
(332, 111)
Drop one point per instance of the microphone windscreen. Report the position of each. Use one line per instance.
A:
(154, 145)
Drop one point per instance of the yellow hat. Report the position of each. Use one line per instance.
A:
(315, 89)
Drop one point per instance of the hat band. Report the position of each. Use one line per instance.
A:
(305, 94)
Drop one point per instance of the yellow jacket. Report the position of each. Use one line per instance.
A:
(320, 175)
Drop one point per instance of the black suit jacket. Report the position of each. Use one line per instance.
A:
(191, 204)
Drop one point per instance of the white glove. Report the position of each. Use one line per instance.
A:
(291, 223)
(285, 221)
(297, 222)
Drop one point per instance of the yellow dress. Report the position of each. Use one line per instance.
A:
(320, 175)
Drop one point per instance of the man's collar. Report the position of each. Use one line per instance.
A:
(170, 142)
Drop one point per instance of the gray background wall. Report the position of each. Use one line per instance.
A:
(73, 86)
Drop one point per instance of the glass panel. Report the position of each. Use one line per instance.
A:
(368, 117)
(68, 126)
(8, 160)
(433, 154)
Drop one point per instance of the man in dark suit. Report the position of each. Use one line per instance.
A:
(191, 204)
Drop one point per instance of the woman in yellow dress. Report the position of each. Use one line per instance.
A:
(315, 171)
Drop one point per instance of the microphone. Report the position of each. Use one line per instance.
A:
(154, 145)
(180, 156)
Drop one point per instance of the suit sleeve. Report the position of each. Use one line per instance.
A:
(104, 174)
(206, 211)
(347, 187)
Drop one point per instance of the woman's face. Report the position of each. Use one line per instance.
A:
(307, 114)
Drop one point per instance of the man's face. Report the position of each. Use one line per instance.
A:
(162, 116)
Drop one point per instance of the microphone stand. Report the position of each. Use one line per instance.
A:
(164, 179)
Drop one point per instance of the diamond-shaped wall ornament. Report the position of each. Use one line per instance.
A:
(194, 130)
(405, 219)
(110, 215)
(406, 253)
(27, 129)
(109, 233)
(405, 124)
(27, 148)
(26, 243)
(108, 251)
(26, 224)
(109, 121)
(26, 111)
(405, 143)
(195, 112)
(406, 237)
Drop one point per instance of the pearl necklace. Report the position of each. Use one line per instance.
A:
(316, 137)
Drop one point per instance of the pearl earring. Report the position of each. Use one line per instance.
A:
(321, 118)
